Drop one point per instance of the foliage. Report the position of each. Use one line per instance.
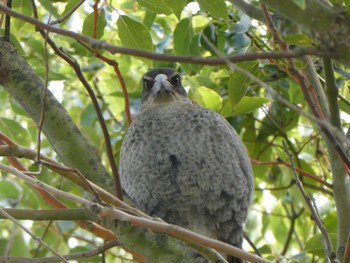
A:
(279, 222)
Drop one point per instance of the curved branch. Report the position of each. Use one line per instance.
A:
(97, 44)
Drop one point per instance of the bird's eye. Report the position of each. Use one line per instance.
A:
(147, 84)
(175, 80)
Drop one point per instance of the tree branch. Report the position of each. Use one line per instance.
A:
(314, 214)
(19, 79)
(119, 222)
(328, 24)
(48, 214)
(74, 256)
(96, 44)
(6, 215)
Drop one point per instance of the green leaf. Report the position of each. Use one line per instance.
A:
(238, 82)
(21, 247)
(236, 87)
(207, 98)
(8, 190)
(166, 7)
(133, 34)
(176, 6)
(69, 7)
(182, 36)
(298, 40)
(217, 8)
(17, 109)
(314, 244)
(300, 3)
(50, 8)
(15, 131)
(344, 106)
(88, 117)
(265, 249)
(155, 6)
(88, 25)
(208, 38)
(246, 104)
(24, 7)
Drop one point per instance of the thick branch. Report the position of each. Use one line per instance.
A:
(19, 79)
(49, 214)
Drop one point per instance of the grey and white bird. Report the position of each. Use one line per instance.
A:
(186, 164)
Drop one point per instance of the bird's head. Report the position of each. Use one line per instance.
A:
(162, 86)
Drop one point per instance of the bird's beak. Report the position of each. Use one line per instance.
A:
(161, 83)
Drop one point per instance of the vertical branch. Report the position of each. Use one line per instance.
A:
(313, 211)
(96, 15)
(341, 182)
(7, 22)
(332, 93)
(309, 93)
(42, 114)
(340, 161)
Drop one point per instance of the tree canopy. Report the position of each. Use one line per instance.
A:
(70, 74)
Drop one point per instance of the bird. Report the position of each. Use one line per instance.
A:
(186, 164)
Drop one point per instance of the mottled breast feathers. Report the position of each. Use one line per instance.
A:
(186, 164)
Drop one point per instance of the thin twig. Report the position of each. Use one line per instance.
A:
(74, 64)
(115, 66)
(97, 44)
(299, 170)
(7, 23)
(74, 256)
(61, 19)
(6, 215)
(250, 242)
(347, 250)
(293, 217)
(46, 230)
(313, 211)
(309, 93)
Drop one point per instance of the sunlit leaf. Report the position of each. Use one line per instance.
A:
(314, 244)
(156, 6)
(88, 26)
(69, 7)
(50, 8)
(176, 6)
(207, 98)
(217, 8)
(133, 34)
(209, 38)
(15, 131)
(182, 36)
(8, 190)
(300, 3)
(246, 105)
(299, 40)
(238, 82)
